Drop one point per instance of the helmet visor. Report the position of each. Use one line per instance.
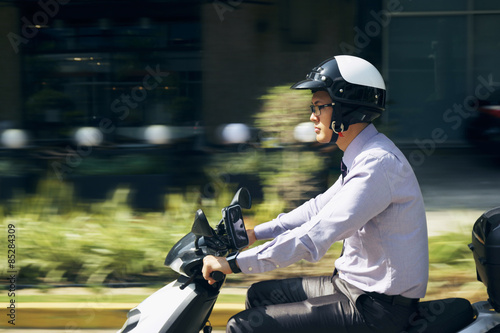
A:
(314, 80)
(309, 84)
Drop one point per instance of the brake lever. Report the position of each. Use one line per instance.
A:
(191, 279)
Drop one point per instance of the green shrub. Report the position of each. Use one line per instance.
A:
(61, 241)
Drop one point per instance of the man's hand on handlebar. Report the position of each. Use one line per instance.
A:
(213, 264)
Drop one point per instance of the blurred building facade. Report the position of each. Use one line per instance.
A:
(439, 63)
(115, 65)
(125, 64)
(120, 65)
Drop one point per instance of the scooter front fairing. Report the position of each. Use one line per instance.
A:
(171, 309)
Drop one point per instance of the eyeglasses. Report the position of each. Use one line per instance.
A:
(316, 109)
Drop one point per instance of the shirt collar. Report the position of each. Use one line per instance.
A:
(357, 144)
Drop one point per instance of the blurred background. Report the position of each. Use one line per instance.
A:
(120, 118)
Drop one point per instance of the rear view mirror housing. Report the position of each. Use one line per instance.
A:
(242, 197)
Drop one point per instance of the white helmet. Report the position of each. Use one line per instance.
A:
(355, 85)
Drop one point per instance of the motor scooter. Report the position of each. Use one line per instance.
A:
(183, 306)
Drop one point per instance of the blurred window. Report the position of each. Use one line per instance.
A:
(128, 69)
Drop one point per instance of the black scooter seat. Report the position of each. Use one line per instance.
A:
(441, 316)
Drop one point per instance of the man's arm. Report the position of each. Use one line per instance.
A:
(296, 217)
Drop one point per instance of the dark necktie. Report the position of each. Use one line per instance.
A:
(343, 169)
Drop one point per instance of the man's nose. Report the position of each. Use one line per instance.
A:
(314, 118)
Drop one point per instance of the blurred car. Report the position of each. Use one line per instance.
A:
(483, 129)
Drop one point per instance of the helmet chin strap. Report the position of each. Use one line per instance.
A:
(336, 124)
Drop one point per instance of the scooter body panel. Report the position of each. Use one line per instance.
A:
(486, 318)
(171, 309)
(184, 306)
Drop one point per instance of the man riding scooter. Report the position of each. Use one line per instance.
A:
(375, 208)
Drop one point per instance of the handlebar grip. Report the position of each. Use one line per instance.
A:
(217, 276)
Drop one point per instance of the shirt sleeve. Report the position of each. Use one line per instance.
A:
(333, 216)
(296, 217)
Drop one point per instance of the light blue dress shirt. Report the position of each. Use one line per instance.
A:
(377, 209)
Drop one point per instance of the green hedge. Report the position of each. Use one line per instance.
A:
(59, 240)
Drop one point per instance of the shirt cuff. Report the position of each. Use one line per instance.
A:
(249, 264)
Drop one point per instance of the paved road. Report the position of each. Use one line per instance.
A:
(75, 331)
(459, 179)
(458, 185)
(21, 330)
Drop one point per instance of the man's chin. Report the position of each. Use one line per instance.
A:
(325, 139)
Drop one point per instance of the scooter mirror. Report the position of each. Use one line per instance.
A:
(201, 227)
(242, 198)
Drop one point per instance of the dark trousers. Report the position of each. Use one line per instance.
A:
(317, 305)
